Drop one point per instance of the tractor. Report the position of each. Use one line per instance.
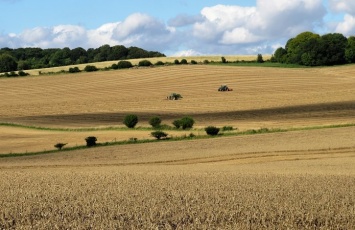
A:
(224, 88)
(174, 96)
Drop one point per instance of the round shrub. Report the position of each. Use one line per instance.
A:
(193, 62)
(22, 73)
(155, 122)
(159, 134)
(212, 131)
(59, 146)
(90, 141)
(176, 62)
(183, 61)
(187, 122)
(114, 66)
(159, 63)
(145, 63)
(74, 70)
(224, 60)
(130, 120)
(177, 124)
(124, 65)
(90, 68)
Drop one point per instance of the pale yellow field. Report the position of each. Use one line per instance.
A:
(288, 180)
(198, 59)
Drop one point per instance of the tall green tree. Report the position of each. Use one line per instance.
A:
(333, 48)
(280, 55)
(302, 43)
(7, 63)
(350, 50)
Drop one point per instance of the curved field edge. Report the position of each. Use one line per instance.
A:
(181, 138)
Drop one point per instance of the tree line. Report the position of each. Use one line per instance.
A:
(37, 58)
(311, 49)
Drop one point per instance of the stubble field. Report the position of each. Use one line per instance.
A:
(288, 180)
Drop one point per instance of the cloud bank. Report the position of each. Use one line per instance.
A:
(219, 29)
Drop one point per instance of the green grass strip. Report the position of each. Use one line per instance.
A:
(182, 138)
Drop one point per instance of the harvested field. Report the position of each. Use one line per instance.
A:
(262, 97)
(285, 180)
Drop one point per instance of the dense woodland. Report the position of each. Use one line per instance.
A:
(36, 58)
(311, 49)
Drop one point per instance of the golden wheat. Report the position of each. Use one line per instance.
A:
(112, 199)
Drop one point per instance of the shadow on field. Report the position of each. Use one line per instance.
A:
(335, 110)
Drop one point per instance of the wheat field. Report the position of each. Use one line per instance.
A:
(301, 179)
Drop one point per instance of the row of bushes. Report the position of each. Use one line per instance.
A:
(131, 121)
(14, 74)
(91, 140)
(125, 65)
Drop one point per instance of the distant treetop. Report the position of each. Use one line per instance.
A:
(37, 58)
(311, 49)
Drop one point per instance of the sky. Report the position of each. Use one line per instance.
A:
(173, 27)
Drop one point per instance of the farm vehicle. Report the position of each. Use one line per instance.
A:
(224, 88)
(174, 96)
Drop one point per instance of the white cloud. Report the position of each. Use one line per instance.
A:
(184, 20)
(239, 36)
(137, 30)
(220, 29)
(269, 19)
(347, 6)
(347, 27)
(102, 35)
(186, 53)
(143, 31)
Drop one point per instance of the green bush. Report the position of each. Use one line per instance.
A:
(227, 128)
(176, 62)
(193, 62)
(145, 63)
(155, 122)
(259, 58)
(90, 141)
(22, 73)
(223, 59)
(90, 68)
(177, 123)
(187, 122)
(183, 61)
(206, 61)
(74, 70)
(114, 66)
(159, 63)
(124, 65)
(212, 131)
(59, 146)
(130, 120)
(159, 134)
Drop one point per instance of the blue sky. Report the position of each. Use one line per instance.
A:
(175, 28)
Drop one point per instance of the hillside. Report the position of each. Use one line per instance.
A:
(299, 179)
